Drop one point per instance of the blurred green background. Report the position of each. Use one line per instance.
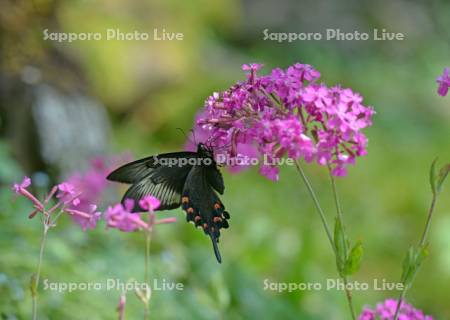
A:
(63, 103)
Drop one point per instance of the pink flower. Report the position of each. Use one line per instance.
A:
(26, 182)
(270, 172)
(252, 67)
(21, 189)
(68, 194)
(67, 202)
(121, 217)
(444, 82)
(87, 219)
(367, 314)
(386, 311)
(149, 203)
(286, 113)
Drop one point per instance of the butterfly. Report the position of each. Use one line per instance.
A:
(187, 179)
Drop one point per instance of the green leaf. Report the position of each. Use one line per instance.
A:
(353, 262)
(422, 253)
(412, 263)
(340, 242)
(437, 178)
(443, 173)
(408, 262)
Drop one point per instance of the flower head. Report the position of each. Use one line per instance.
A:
(287, 113)
(386, 311)
(67, 202)
(444, 82)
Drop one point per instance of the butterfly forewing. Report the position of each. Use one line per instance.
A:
(156, 176)
(137, 170)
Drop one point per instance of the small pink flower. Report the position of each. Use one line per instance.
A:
(270, 172)
(120, 217)
(149, 203)
(86, 219)
(20, 188)
(67, 194)
(26, 182)
(252, 66)
(444, 82)
(367, 314)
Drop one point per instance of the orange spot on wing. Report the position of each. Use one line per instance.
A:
(184, 200)
(190, 210)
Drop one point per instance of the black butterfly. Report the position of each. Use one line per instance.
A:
(180, 178)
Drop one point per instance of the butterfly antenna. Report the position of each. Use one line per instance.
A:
(185, 135)
(216, 248)
(193, 135)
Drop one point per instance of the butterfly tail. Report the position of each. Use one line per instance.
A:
(216, 248)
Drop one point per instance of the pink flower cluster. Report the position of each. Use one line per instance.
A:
(287, 113)
(386, 311)
(121, 217)
(67, 201)
(444, 82)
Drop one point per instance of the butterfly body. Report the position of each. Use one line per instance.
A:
(187, 179)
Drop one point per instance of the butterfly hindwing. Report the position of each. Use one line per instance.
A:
(203, 206)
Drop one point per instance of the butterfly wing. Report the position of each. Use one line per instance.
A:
(202, 205)
(215, 179)
(156, 176)
(137, 170)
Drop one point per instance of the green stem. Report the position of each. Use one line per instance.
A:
(327, 230)
(148, 234)
(317, 204)
(348, 294)
(428, 223)
(35, 283)
(422, 242)
(340, 215)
